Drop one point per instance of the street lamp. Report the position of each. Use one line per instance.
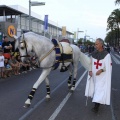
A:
(33, 4)
(77, 33)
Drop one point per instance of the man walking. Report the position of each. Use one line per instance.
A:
(99, 79)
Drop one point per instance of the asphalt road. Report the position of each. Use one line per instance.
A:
(63, 104)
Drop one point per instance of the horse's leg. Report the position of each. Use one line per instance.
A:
(70, 77)
(75, 74)
(47, 88)
(42, 77)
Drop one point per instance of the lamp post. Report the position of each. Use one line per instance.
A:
(77, 33)
(33, 4)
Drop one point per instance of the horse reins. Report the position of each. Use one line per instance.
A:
(27, 55)
(47, 54)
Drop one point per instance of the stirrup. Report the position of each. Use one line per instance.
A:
(63, 68)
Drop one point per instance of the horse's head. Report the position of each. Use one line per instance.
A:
(21, 44)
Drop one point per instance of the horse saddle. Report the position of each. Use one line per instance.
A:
(63, 54)
(66, 52)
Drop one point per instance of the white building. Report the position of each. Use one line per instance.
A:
(19, 16)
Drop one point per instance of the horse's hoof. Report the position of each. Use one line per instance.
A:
(69, 86)
(72, 89)
(26, 105)
(47, 99)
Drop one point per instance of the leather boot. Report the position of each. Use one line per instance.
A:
(96, 107)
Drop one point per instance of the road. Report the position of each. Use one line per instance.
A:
(63, 104)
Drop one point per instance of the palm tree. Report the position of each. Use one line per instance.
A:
(114, 22)
(117, 2)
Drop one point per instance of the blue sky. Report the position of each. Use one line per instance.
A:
(89, 16)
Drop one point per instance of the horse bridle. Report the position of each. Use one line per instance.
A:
(25, 46)
(27, 55)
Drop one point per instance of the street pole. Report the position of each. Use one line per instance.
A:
(57, 30)
(78, 33)
(33, 4)
(29, 15)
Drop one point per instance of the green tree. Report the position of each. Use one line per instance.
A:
(113, 23)
(80, 41)
(117, 2)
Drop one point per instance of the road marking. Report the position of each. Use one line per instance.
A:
(117, 55)
(115, 59)
(57, 111)
(112, 112)
(35, 106)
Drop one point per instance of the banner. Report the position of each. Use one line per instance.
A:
(64, 31)
(84, 38)
(46, 23)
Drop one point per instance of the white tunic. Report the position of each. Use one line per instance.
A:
(99, 86)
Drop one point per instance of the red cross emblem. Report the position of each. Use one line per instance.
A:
(97, 64)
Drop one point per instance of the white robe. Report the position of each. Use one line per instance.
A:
(99, 86)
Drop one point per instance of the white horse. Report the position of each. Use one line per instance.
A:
(44, 49)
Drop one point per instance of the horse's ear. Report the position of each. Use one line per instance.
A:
(16, 41)
(15, 37)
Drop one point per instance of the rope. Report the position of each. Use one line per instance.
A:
(47, 54)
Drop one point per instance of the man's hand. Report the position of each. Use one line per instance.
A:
(99, 72)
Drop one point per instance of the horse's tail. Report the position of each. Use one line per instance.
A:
(85, 61)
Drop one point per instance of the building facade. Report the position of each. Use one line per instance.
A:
(15, 20)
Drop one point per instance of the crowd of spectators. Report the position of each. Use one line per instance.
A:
(87, 48)
(10, 60)
(90, 48)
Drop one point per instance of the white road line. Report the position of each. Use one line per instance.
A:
(36, 105)
(57, 111)
(115, 59)
(117, 55)
(112, 111)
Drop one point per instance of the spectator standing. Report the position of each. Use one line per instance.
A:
(93, 48)
(108, 48)
(1, 64)
(89, 49)
(0, 44)
(6, 45)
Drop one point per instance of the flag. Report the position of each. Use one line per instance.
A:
(64, 31)
(46, 23)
